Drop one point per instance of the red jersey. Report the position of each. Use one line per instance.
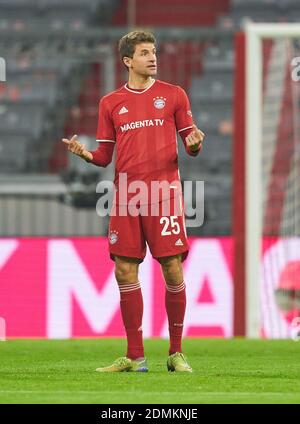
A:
(142, 124)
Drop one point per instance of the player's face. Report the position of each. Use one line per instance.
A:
(144, 61)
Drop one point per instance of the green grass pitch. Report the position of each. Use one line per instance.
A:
(225, 371)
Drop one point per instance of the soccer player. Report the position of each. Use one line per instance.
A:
(140, 121)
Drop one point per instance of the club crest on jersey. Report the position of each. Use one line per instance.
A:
(113, 237)
(159, 102)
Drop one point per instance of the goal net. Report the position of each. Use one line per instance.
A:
(271, 179)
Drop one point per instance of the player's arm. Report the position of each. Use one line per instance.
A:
(103, 155)
(105, 135)
(100, 157)
(191, 136)
(74, 146)
(192, 139)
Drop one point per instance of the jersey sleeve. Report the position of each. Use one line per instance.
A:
(105, 130)
(103, 155)
(183, 114)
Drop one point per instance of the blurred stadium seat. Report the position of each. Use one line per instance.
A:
(57, 72)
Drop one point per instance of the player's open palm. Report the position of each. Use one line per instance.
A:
(77, 148)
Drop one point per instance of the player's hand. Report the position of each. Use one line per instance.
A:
(77, 148)
(194, 139)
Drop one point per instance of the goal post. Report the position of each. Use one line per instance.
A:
(266, 175)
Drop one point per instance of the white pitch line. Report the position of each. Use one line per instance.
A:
(161, 393)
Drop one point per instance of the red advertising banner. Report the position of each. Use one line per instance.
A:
(65, 287)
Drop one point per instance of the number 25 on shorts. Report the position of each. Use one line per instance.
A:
(170, 225)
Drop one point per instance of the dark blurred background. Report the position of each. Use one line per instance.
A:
(61, 58)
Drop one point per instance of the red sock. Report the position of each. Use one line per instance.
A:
(175, 306)
(132, 314)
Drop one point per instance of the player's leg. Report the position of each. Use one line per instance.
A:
(131, 303)
(167, 239)
(128, 251)
(166, 236)
(125, 235)
(175, 300)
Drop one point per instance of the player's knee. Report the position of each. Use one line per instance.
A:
(172, 269)
(126, 272)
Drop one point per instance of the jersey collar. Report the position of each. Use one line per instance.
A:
(139, 92)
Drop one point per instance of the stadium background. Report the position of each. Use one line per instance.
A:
(56, 277)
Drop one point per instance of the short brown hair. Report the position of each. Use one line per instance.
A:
(129, 41)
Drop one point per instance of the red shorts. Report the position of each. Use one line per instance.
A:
(163, 230)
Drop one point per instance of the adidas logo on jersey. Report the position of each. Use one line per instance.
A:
(178, 243)
(123, 110)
